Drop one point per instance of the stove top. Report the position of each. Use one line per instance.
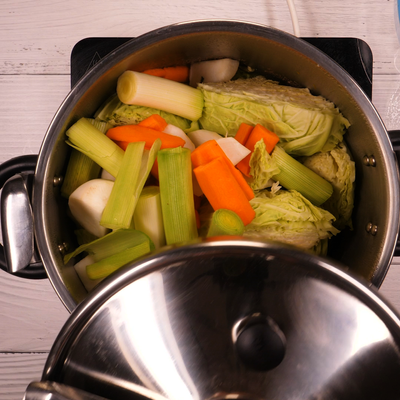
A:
(353, 54)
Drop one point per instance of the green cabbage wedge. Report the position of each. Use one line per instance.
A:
(304, 123)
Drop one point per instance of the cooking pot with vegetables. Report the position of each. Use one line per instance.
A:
(365, 246)
(223, 319)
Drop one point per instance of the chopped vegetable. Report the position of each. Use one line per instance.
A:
(87, 204)
(225, 222)
(176, 192)
(86, 138)
(120, 206)
(137, 133)
(155, 121)
(295, 176)
(258, 133)
(209, 151)
(213, 71)
(222, 189)
(200, 136)
(337, 168)
(116, 113)
(115, 249)
(80, 268)
(148, 215)
(288, 217)
(80, 167)
(304, 123)
(178, 74)
(153, 91)
(243, 133)
(176, 131)
(235, 151)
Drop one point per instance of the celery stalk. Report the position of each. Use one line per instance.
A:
(108, 265)
(296, 176)
(225, 222)
(86, 138)
(176, 192)
(119, 209)
(80, 167)
(113, 243)
(163, 94)
(148, 215)
(134, 171)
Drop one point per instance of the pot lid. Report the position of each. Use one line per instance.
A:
(223, 319)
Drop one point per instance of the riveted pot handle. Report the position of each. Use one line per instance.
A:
(18, 171)
(395, 139)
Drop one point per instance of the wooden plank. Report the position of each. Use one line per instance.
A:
(17, 371)
(37, 38)
(31, 314)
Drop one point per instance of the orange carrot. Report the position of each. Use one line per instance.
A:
(155, 121)
(137, 133)
(222, 189)
(243, 133)
(259, 132)
(178, 74)
(209, 151)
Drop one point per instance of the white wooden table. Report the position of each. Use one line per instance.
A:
(36, 39)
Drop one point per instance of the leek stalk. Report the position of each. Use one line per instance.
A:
(119, 209)
(89, 140)
(80, 167)
(225, 222)
(295, 176)
(176, 192)
(160, 93)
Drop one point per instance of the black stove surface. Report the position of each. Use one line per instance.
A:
(354, 55)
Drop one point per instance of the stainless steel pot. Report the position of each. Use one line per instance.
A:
(230, 319)
(367, 250)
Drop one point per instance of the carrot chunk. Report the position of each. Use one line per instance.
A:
(259, 132)
(137, 133)
(222, 189)
(155, 121)
(177, 74)
(209, 151)
(243, 133)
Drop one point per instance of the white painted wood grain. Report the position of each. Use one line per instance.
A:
(17, 371)
(31, 314)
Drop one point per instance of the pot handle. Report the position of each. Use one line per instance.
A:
(395, 139)
(16, 174)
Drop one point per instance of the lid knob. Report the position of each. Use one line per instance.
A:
(260, 344)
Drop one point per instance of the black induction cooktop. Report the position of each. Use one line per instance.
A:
(353, 54)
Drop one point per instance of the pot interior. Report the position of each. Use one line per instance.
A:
(279, 56)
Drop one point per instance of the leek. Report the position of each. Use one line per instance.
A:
(225, 222)
(119, 209)
(176, 192)
(86, 138)
(160, 93)
(134, 171)
(295, 176)
(80, 167)
(80, 269)
(115, 250)
(148, 215)
(108, 265)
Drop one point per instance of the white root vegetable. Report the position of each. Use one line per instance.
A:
(87, 203)
(201, 136)
(80, 269)
(176, 131)
(234, 150)
(221, 70)
(106, 175)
